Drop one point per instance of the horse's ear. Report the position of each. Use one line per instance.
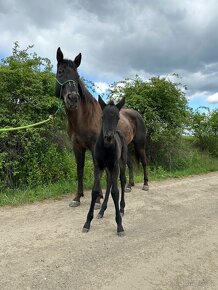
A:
(101, 102)
(77, 60)
(59, 55)
(120, 104)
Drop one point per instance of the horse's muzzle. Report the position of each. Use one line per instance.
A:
(71, 101)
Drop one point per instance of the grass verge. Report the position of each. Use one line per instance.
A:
(200, 164)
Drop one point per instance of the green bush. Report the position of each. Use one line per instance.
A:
(32, 156)
(205, 130)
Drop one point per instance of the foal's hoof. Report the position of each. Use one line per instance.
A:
(97, 205)
(74, 203)
(128, 189)
(99, 216)
(145, 187)
(85, 230)
(121, 234)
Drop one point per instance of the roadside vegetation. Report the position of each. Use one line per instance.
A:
(38, 163)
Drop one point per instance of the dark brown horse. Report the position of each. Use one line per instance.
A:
(84, 121)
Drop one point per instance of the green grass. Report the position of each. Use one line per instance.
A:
(200, 163)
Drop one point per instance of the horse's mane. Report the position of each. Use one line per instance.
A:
(69, 62)
(86, 95)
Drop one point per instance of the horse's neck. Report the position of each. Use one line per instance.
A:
(86, 95)
(85, 118)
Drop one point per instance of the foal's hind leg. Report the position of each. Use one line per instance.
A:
(130, 167)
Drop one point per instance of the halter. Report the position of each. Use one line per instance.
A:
(64, 83)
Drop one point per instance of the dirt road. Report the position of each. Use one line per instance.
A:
(171, 241)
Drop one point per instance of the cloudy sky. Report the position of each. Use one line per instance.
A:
(119, 39)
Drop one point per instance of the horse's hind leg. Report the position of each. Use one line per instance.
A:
(98, 200)
(130, 167)
(140, 148)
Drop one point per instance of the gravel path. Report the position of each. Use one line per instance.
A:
(171, 241)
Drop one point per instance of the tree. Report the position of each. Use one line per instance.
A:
(163, 105)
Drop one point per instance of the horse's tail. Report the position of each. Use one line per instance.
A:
(139, 140)
(137, 158)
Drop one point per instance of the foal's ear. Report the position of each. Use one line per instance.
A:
(59, 55)
(101, 102)
(77, 59)
(120, 104)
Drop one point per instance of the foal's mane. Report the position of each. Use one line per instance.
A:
(111, 103)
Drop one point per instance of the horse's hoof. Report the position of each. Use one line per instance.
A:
(85, 230)
(99, 216)
(145, 187)
(74, 203)
(121, 234)
(128, 189)
(97, 205)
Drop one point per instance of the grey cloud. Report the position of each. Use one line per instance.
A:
(118, 38)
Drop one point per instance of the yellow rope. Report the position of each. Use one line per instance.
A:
(27, 126)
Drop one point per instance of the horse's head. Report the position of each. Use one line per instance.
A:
(110, 118)
(67, 77)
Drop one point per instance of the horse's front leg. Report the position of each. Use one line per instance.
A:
(80, 162)
(95, 194)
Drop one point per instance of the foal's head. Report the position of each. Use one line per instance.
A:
(110, 118)
(67, 87)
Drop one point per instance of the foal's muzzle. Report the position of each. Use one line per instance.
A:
(108, 138)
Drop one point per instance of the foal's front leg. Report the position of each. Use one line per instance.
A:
(115, 196)
(123, 184)
(104, 204)
(95, 193)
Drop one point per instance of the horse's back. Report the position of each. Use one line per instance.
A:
(131, 124)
